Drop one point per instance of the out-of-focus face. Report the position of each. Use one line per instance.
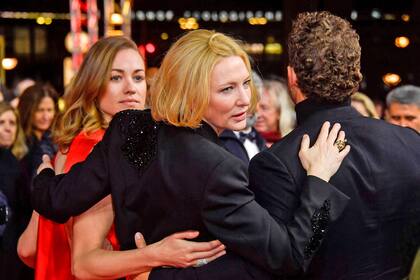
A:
(267, 114)
(406, 115)
(8, 129)
(360, 108)
(126, 88)
(230, 95)
(44, 115)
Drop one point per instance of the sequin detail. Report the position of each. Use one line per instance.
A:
(319, 223)
(140, 133)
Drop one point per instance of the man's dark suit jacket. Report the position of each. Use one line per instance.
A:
(381, 175)
(164, 179)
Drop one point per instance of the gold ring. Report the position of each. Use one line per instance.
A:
(341, 144)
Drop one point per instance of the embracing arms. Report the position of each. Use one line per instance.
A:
(91, 261)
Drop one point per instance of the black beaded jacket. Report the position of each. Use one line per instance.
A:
(381, 175)
(164, 179)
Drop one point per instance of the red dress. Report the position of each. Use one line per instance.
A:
(53, 258)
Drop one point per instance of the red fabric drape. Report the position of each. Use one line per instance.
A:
(53, 259)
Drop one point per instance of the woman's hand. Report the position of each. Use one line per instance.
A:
(324, 158)
(175, 251)
(46, 163)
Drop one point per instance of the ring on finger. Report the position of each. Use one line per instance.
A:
(340, 144)
(201, 262)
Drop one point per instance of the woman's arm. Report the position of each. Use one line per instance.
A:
(90, 261)
(27, 244)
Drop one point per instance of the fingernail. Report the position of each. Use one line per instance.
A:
(138, 235)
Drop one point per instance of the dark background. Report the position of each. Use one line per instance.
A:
(379, 54)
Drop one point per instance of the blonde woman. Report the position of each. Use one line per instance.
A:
(167, 173)
(11, 133)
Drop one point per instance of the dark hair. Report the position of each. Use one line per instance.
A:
(324, 52)
(29, 102)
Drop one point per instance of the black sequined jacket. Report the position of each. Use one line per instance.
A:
(381, 175)
(164, 179)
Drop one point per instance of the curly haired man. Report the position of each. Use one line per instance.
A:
(380, 175)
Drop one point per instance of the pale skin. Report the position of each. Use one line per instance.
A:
(229, 102)
(91, 258)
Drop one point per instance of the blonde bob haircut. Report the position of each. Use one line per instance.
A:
(89, 83)
(18, 148)
(180, 93)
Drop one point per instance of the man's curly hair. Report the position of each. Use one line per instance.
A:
(324, 52)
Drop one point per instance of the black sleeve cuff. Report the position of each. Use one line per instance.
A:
(320, 191)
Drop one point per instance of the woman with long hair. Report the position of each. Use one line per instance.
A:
(37, 109)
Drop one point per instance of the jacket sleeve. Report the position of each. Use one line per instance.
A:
(60, 197)
(232, 215)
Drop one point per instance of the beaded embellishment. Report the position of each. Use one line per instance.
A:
(140, 133)
(319, 223)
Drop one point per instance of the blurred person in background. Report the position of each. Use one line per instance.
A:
(111, 79)
(12, 136)
(245, 144)
(403, 107)
(15, 209)
(20, 87)
(276, 116)
(364, 105)
(379, 107)
(38, 109)
(5, 94)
